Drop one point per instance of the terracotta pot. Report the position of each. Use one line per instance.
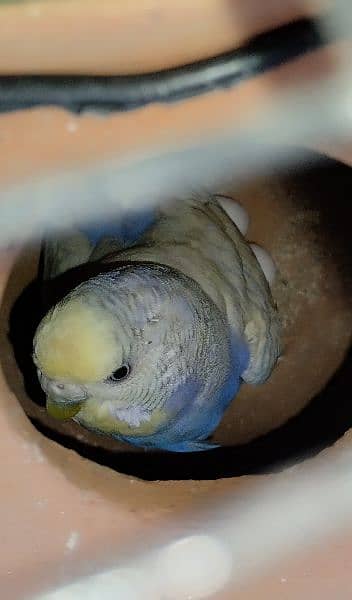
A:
(62, 514)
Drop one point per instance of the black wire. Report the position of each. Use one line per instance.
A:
(79, 93)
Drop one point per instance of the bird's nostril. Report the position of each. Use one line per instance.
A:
(60, 386)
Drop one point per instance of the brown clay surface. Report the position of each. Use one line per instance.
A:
(312, 298)
(48, 492)
(293, 218)
(132, 36)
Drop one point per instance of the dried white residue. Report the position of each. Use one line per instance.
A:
(33, 453)
(72, 541)
(71, 126)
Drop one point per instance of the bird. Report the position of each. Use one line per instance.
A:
(168, 312)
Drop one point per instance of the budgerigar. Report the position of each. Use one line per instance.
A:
(172, 314)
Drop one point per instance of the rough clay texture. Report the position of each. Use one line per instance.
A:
(312, 297)
(59, 511)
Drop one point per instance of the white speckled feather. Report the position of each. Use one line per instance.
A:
(197, 237)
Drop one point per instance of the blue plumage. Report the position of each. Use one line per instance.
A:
(190, 315)
(127, 229)
(194, 421)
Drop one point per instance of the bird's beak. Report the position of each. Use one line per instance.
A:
(62, 409)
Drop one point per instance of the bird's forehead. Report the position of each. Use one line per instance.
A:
(77, 342)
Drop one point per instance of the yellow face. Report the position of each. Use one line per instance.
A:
(82, 352)
(76, 342)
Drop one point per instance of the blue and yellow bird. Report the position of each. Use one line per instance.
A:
(174, 312)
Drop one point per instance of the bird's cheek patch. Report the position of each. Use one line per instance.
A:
(98, 416)
(76, 342)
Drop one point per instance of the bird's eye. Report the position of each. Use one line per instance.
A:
(120, 373)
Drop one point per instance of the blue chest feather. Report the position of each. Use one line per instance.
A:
(127, 229)
(194, 424)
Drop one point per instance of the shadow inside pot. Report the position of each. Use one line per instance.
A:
(328, 188)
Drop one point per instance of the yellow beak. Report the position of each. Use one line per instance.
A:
(62, 410)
